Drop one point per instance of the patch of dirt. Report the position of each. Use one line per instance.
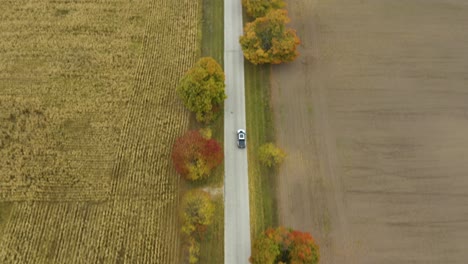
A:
(219, 191)
(374, 118)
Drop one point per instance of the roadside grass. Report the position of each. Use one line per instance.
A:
(212, 245)
(212, 45)
(260, 129)
(213, 30)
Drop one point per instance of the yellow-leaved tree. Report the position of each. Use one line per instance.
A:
(259, 8)
(202, 89)
(196, 214)
(267, 40)
(270, 155)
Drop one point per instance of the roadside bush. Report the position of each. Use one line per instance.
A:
(270, 155)
(202, 89)
(259, 8)
(267, 40)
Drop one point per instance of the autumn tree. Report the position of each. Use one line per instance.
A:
(267, 40)
(193, 250)
(265, 250)
(284, 245)
(196, 212)
(206, 132)
(270, 155)
(194, 156)
(202, 89)
(259, 8)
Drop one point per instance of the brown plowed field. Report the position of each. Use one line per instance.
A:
(374, 118)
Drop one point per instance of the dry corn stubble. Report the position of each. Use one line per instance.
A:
(104, 74)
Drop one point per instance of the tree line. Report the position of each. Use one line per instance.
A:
(266, 40)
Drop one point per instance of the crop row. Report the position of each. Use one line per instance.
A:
(136, 222)
(134, 231)
(80, 81)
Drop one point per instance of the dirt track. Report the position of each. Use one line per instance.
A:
(374, 118)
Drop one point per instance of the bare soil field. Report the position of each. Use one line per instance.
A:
(89, 114)
(374, 118)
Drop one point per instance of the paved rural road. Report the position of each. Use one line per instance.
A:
(236, 190)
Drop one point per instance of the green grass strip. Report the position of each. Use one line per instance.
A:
(260, 129)
(212, 244)
(213, 30)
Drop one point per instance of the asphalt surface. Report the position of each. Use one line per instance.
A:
(236, 191)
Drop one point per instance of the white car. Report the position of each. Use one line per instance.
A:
(241, 138)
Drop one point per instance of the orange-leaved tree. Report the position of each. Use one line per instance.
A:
(202, 89)
(259, 8)
(283, 245)
(194, 156)
(267, 40)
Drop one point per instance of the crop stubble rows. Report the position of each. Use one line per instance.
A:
(68, 66)
(129, 214)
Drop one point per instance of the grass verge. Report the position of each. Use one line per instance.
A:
(212, 45)
(213, 30)
(260, 127)
(212, 247)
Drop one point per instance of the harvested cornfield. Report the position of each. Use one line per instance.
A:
(88, 115)
(66, 70)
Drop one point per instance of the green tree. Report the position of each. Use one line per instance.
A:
(202, 89)
(270, 155)
(267, 40)
(259, 8)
